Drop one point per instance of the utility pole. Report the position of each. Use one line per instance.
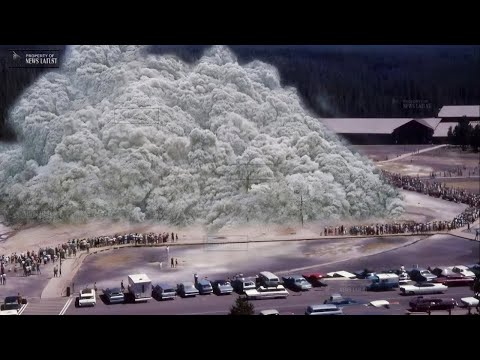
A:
(301, 208)
(301, 205)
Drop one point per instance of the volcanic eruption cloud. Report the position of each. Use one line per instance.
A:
(119, 133)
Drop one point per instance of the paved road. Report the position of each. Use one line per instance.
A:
(36, 306)
(403, 156)
(294, 304)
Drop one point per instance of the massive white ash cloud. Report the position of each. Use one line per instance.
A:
(120, 133)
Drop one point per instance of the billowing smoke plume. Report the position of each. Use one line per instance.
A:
(120, 133)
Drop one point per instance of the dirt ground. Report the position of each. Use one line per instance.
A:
(438, 160)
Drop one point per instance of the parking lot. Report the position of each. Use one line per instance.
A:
(295, 304)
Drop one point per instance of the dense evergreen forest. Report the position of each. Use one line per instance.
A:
(334, 81)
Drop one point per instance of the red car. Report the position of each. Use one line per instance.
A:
(454, 280)
(315, 279)
(425, 304)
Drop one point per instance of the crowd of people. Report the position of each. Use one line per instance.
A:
(458, 171)
(433, 188)
(390, 228)
(467, 217)
(31, 261)
(26, 263)
(117, 239)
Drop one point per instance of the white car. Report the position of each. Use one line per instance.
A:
(463, 270)
(269, 312)
(9, 312)
(469, 301)
(267, 293)
(423, 288)
(87, 297)
(379, 304)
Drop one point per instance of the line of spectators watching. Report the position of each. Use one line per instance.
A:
(460, 171)
(468, 216)
(31, 260)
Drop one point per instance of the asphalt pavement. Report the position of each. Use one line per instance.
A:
(295, 304)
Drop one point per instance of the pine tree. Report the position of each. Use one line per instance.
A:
(450, 139)
(242, 307)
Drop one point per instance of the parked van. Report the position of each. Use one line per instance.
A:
(324, 309)
(140, 287)
(268, 279)
(384, 282)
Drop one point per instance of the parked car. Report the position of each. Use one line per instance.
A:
(10, 306)
(423, 288)
(315, 279)
(469, 302)
(164, 292)
(114, 296)
(441, 271)
(296, 282)
(463, 270)
(325, 309)
(222, 287)
(277, 292)
(204, 287)
(187, 289)
(454, 280)
(241, 284)
(87, 297)
(475, 268)
(269, 312)
(425, 304)
(339, 300)
(421, 275)
(364, 274)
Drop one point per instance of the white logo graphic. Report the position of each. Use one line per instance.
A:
(15, 56)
